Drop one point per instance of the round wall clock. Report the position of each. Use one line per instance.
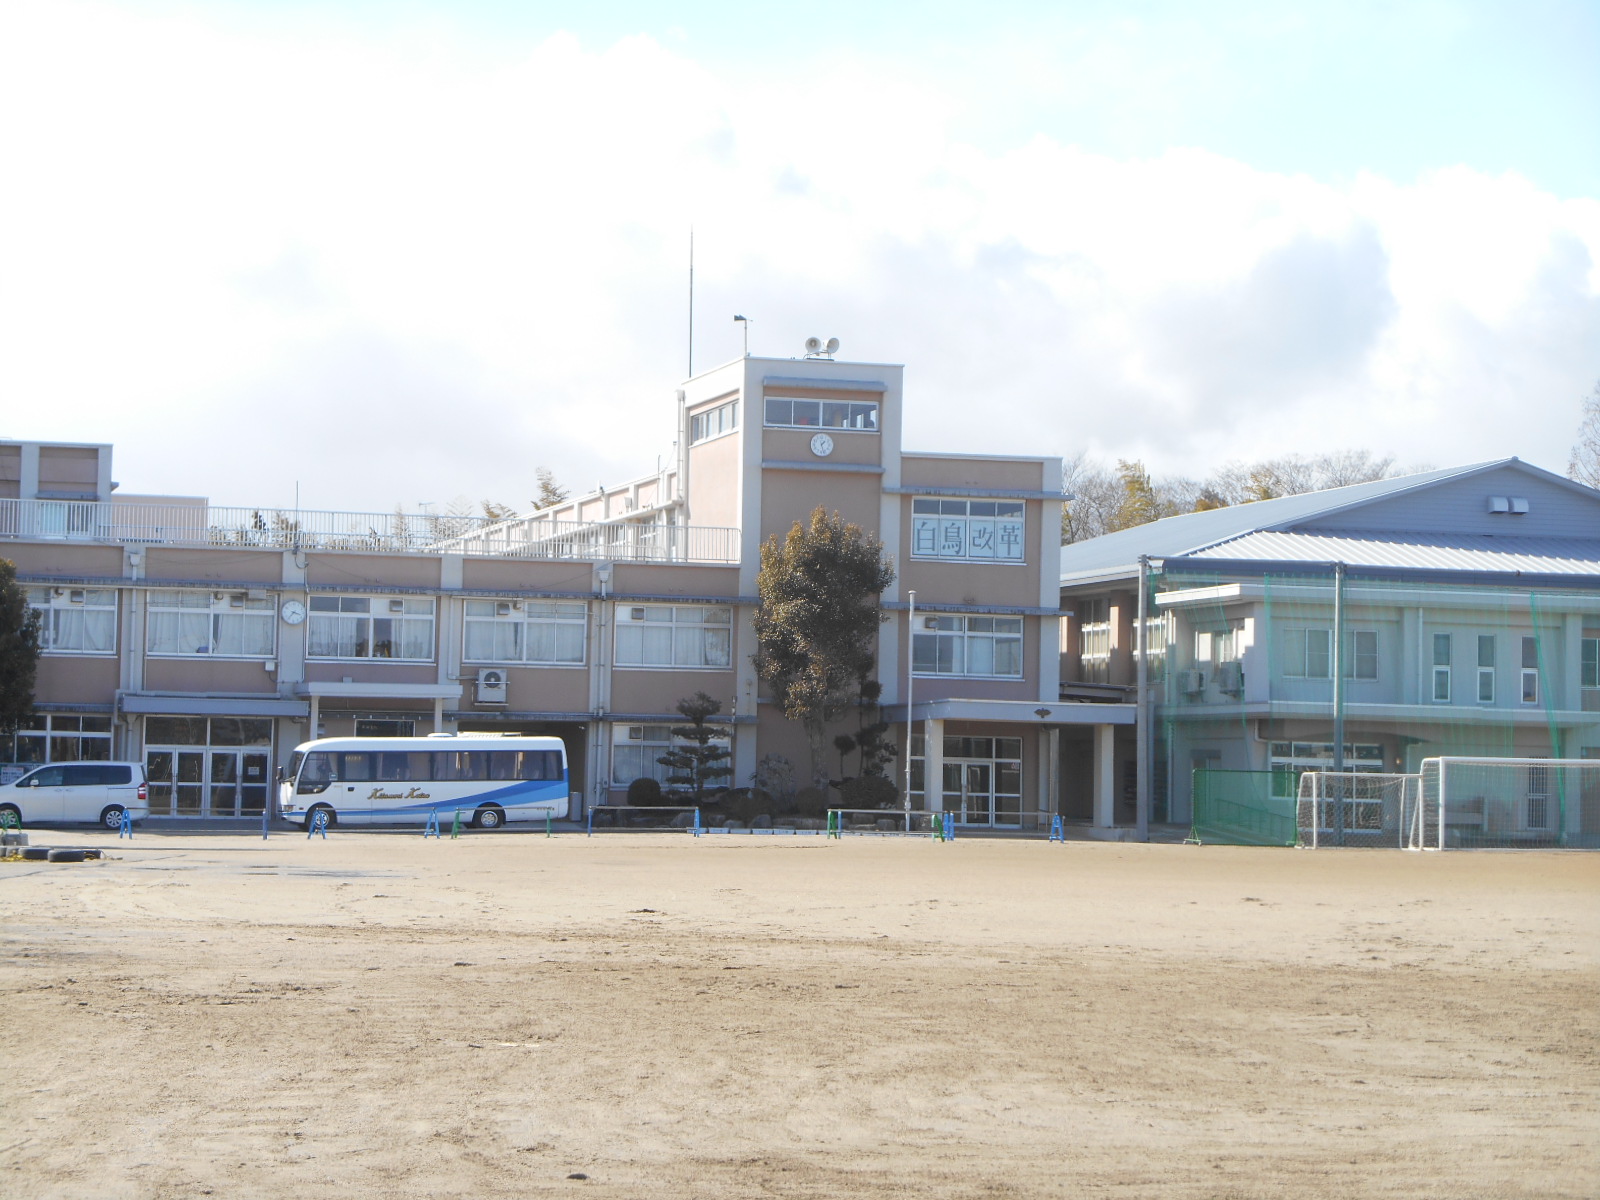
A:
(821, 445)
(292, 612)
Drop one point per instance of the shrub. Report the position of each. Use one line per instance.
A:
(811, 802)
(644, 792)
(869, 791)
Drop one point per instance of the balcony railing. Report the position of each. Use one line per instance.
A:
(393, 533)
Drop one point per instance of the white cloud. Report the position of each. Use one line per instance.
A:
(408, 269)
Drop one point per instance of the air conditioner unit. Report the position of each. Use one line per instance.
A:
(491, 686)
(1191, 682)
(1230, 677)
(397, 606)
(236, 600)
(502, 609)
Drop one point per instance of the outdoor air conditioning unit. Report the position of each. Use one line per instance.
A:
(502, 609)
(397, 606)
(491, 686)
(1191, 683)
(1230, 677)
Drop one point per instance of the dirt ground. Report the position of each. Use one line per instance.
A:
(379, 1015)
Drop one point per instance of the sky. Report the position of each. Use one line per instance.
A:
(396, 253)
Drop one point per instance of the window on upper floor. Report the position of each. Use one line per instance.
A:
(194, 623)
(989, 647)
(1590, 673)
(531, 631)
(674, 635)
(1308, 654)
(76, 620)
(392, 627)
(714, 422)
(783, 413)
(967, 530)
(1094, 640)
(1441, 668)
(1486, 668)
(1530, 670)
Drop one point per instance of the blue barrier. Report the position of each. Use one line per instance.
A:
(125, 826)
(949, 827)
(430, 828)
(318, 824)
(1057, 832)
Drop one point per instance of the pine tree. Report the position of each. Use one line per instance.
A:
(19, 650)
(699, 760)
(817, 621)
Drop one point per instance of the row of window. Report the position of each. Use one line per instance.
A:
(540, 632)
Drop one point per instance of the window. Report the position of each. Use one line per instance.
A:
(985, 646)
(217, 624)
(76, 620)
(1094, 640)
(714, 422)
(385, 727)
(967, 530)
(535, 631)
(60, 737)
(1486, 668)
(1309, 654)
(635, 749)
(822, 414)
(1591, 662)
(1441, 668)
(371, 627)
(1530, 670)
(674, 635)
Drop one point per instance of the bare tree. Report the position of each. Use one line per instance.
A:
(1585, 463)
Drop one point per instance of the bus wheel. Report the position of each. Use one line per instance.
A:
(489, 818)
(112, 817)
(311, 815)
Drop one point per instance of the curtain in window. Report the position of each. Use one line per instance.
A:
(335, 636)
(179, 632)
(494, 641)
(243, 635)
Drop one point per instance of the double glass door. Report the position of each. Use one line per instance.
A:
(192, 782)
(984, 793)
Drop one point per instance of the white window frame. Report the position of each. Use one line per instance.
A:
(1094, 640)
(222, 612)
(1441, 670)
(52, 732)
(1298, 659)
(652, 741)
(948, 529)
(56, 604)
(848, 416)
(696, 637)
(961, 633)
(713, 422)
(1486, 672)
(379, 608)
(521, 620)
(1530, 670)
(1589, 662)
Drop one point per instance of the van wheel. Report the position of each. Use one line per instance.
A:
(12, 817)
(112, 817)
(489, 818)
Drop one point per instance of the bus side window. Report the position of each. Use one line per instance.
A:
(393, 766)
(503, 764)
(356, 767)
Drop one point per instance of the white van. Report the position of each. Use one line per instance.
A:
(99, 792)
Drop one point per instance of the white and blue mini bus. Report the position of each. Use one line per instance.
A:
(488, 779)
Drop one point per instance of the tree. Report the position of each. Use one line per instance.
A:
(1585, 463)
(1138, 503)
(1094, 495)
(19, 650)
(550, 492)
(698, 761)
(495, 511)
(817, 620)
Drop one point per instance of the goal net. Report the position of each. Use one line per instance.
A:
(1507, 803)
(1357, 808)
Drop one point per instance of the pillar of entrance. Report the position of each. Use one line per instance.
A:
(1105, 762)
(933, 765)
(1049, 775)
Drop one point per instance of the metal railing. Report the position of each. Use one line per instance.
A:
(395, 533)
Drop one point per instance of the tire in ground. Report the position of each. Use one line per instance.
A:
(67, 856)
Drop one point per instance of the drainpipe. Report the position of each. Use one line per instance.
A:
(1338, 694)
(1141, 730)
(911, 633)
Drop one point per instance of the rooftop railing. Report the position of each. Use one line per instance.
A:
(205, 525)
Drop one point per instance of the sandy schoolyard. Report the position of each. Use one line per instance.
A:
(379, 1015)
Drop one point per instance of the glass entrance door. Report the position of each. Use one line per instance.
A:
(969, 792)
(237, 783)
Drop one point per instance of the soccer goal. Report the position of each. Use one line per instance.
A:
(1356, 808)
(640, 819)
(1507, 803)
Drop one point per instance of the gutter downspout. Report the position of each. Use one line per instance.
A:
(1338, 696)
(1141, 730)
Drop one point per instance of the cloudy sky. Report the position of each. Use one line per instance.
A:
(401, 252)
